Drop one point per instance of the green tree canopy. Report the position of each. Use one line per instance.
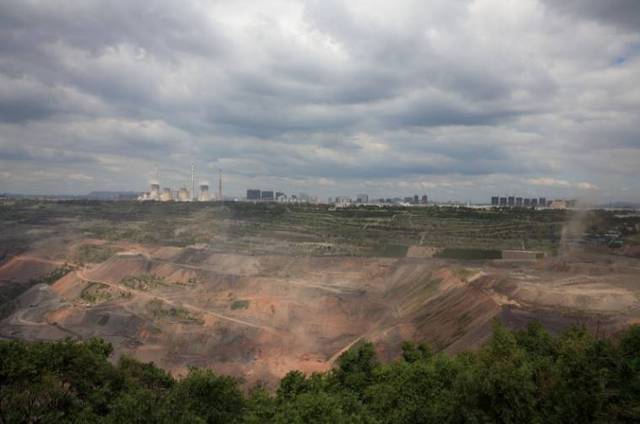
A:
(518, 376)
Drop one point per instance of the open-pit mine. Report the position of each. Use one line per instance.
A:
(258, 290)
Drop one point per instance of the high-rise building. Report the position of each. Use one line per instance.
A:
(542, 202)
(343, 200)
(495, 200)
(416, 199)
(527, 202)
(560, 204)
(511, 201)
(503, 201)
(304, 198)
(362, 198)
(518, 202)
(534, 202)
(253, 194)
(267, 195)
(425, 199)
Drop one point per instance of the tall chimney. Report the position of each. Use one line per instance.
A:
(193, 181)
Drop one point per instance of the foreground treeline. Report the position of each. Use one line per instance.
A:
(517, 377)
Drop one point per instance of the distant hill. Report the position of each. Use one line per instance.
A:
(94, 195)
(619, 205)
(112, 195)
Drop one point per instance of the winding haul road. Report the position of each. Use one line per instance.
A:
(82, 276)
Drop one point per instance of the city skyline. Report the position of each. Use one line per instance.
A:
(459, 100)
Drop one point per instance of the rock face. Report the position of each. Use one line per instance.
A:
(261, 316)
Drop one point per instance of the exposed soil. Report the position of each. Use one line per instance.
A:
(259, 317)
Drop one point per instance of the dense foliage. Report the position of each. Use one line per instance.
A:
(517, 377)
(54, 275)
(479, 254)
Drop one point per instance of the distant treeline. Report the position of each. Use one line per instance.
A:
(524, 376)
(458, 253)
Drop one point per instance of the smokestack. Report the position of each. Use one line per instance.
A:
(193, 181)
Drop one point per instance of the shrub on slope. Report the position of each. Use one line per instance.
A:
(521, 376)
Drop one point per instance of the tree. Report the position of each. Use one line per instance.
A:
(261, 406)
(204, 396)
(356, 366)
(291, 385)
(521, 376)
(412, 352)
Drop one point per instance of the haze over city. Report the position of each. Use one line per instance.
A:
(458, 99)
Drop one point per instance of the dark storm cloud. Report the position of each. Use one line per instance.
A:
(19, 110)
(21, 153)
(428, 114)
(160, 26)
(621, 13)
(346, 91)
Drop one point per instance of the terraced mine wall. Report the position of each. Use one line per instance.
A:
(257, 290)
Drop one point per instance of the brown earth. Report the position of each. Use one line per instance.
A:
(259, 317)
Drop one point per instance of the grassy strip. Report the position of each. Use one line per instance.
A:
(159, 310)
(240, 304)
(94, 253)
(143, 282)
(477, 254)
(54, 275)
(96, 293)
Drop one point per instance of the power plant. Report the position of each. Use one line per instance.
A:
(166, 195)
(204, 192)
(183, 194)
(193, 181)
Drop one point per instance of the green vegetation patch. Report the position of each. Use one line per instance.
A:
(391, 250)
(526, 376)
(478, 254)
(143, 282)
(240, 304)
(94, 253)
(463, 273)
(54, 275)
(160, 310)
(96, 293)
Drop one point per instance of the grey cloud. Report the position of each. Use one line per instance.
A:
(21, 153)
(620, 13)
(354, 91)
(157, 25)
(427, 113)
(20, 111)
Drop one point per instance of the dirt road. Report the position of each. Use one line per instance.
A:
(81, 275)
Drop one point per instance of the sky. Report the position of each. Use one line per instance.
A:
(456, 99)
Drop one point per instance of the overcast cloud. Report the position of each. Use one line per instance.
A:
(457, 99)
